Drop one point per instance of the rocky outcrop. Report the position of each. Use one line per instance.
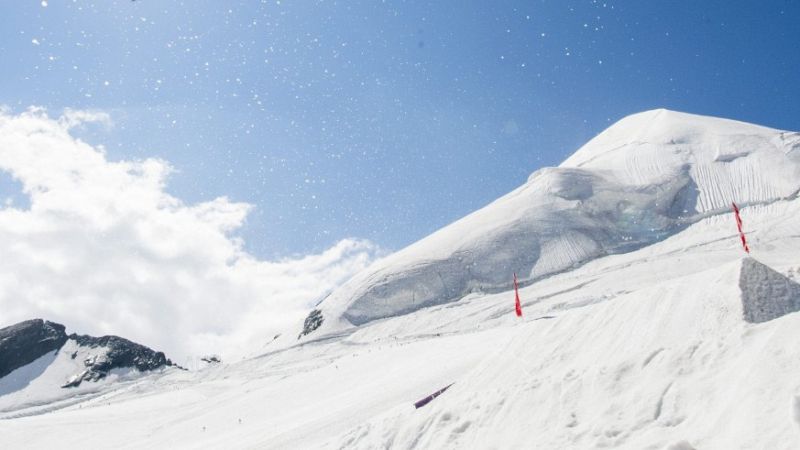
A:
(119, 354)
(211, 359)
(25, 342)
(312, 322)
(766, 294)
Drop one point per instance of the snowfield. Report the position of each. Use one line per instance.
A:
(645, 324)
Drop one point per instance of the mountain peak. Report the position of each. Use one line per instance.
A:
(38, 359)
(663, 127)
(647, 177)
(23, 343)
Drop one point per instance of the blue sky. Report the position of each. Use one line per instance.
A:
(384, 120)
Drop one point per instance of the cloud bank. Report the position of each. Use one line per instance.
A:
(104, 249)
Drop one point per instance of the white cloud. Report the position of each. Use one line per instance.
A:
(105, 250)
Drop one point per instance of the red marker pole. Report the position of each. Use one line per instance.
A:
(739, 226)
(518, 306)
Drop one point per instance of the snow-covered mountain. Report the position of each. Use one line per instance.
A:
(645, 324)
(647, 177)
(41, 367)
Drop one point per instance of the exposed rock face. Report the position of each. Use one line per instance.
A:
(312, 322)
(211, 359)
(23, 343)
(121, 353)
(766, 294)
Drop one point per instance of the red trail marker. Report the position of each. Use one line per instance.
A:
(518, 306)
(739, 226)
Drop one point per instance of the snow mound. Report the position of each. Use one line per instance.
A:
(766, 294)
(645, 178)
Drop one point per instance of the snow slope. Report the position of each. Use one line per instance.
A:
(653, 348)
(664, 365)
(646, 177)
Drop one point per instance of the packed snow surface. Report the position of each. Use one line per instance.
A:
(638, 337)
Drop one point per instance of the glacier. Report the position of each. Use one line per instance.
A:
(646, 177)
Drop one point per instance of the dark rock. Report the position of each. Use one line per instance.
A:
(25, 342)
(122, 353)
(312, 322)
(211, 359)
